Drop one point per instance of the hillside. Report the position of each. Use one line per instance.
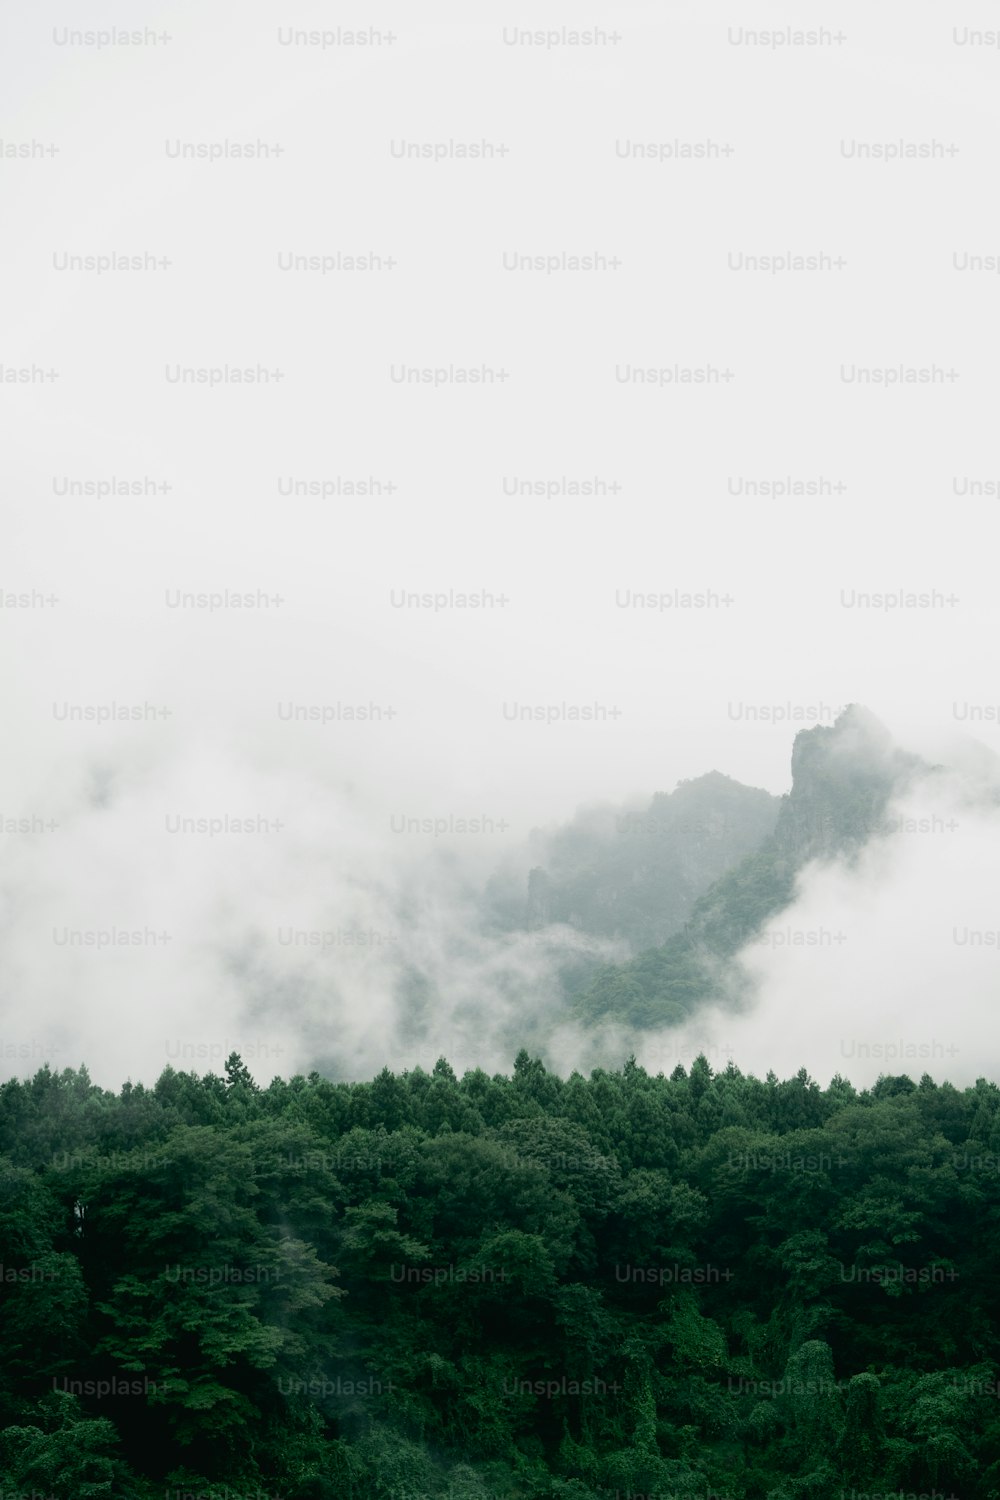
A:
(843, 780)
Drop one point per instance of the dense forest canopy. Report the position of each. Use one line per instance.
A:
(524, 1286)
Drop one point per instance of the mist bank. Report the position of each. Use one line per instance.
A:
(306, 926)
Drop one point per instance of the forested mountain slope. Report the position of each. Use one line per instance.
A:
(636, 872)
(843, 781)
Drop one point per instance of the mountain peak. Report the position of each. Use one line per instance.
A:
(855, 732)
(843, 777)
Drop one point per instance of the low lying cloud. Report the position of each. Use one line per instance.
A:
(190, 906)
(189, 903)
(889, 963)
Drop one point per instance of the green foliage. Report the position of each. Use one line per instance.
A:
(65, 1456)
(469, 1288)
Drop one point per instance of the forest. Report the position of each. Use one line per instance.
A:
(521, 1286)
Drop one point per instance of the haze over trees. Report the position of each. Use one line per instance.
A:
(844, 779)
(538, 1285)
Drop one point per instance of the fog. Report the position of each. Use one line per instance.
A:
(137, 505)
(329, 937)
(888, 964)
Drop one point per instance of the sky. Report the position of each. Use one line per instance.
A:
(164, 648)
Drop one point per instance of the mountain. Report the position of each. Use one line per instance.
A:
(635, 873)
(843, 780)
